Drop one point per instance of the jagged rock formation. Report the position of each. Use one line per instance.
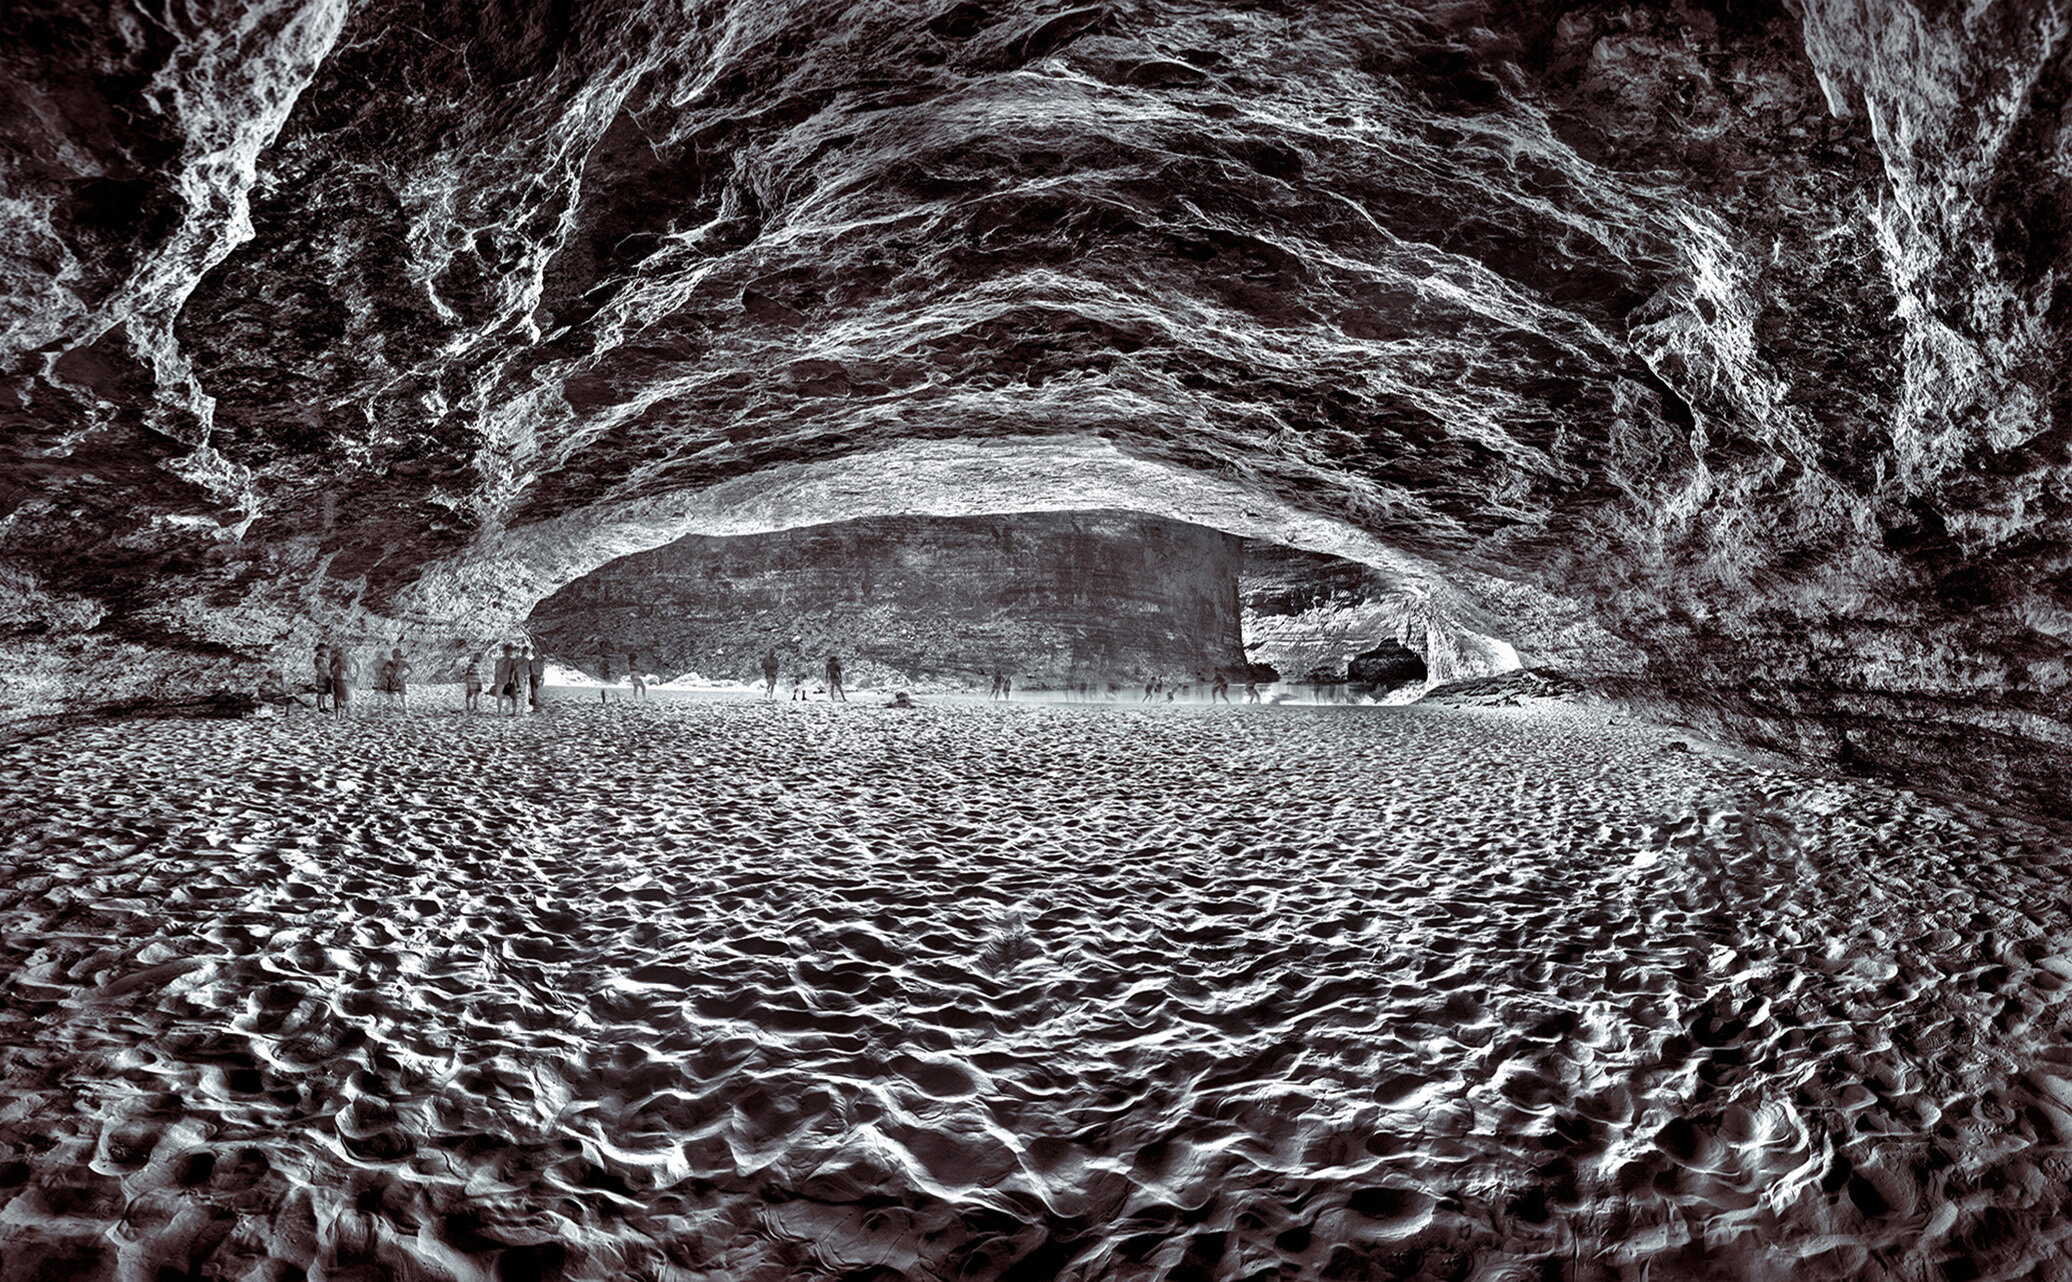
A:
(1506, 689)
(1311, 617)
(1735, 325)
(1056, 602)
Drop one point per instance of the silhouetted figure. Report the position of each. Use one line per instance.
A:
(1220, 689)
(323, 675)
(604, 674)
(1251, 690)
(509, 678)
(1149, 686)
(638, 682)
(770, 674)
(393, 679)
(996, 687)
(532, 673)
(835, 693)
(798, 687)
(341, 677)
(471, 684)
(1006, 686)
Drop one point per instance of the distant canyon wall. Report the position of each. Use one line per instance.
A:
(1052, 599)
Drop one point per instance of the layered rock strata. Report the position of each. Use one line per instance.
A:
(1057, 602)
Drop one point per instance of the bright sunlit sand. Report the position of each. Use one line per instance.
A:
(728, 990)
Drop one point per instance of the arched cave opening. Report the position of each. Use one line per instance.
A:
(1071, 603)
(832, 533)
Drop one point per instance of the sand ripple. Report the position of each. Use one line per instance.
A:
(746, 991)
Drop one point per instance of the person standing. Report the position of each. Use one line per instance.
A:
(1220, 689)
(604, 674)
(1006, 686)
(323, 681)
(996, 685)
(835, 692)
(341, 670)
(1251, 690)
(633, 676)
(770, 673)
(508, 678)
(532, 673)
(395, 679)
(471, 683)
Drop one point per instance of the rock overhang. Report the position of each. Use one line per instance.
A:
(1727, 324)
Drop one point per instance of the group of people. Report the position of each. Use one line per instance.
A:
(514, 680)
(1219, 689)
(517, 675)
(772, 665)
(332, 673)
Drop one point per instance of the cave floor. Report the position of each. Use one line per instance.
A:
(731, 990)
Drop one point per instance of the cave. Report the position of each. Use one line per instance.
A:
(1081, 603)
(1412, 639)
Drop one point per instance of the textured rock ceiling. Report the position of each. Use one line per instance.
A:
(1735, 326)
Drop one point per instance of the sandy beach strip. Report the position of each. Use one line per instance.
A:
(701, 989)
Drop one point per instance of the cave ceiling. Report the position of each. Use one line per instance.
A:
(1740, 325)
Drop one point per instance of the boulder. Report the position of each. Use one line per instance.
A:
(1507, 689)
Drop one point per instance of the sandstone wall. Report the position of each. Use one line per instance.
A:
(1052, 599)
(1736, 325)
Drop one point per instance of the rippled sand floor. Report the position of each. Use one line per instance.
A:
(742, 991)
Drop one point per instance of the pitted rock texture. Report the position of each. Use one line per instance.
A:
(1055, 602)
(1737, 323)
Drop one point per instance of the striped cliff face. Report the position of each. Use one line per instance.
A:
(1057, 601)
(1728, 326)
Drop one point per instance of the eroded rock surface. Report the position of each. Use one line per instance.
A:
(1311, 616)
(1735, 326)
(1056, 602)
